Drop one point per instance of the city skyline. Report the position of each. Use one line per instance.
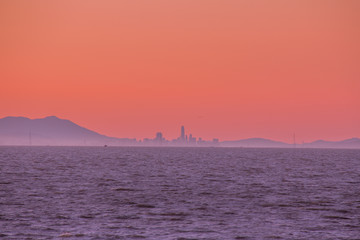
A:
(183, 140)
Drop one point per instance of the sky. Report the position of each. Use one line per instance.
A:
(230, 69)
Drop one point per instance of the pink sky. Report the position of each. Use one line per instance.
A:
(228, 69)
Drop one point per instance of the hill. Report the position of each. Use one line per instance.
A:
(347, 143)
(52, 131)
(255, 142)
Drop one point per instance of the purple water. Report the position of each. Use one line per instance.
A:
(178, 193)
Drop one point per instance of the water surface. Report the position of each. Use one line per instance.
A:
(178, 193)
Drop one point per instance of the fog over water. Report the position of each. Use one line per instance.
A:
(179, 193)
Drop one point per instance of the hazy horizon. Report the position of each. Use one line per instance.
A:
(52, 130)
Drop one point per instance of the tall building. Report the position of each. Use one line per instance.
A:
(159, 137)
(182, 136)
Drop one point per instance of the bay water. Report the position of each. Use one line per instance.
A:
(178, 193)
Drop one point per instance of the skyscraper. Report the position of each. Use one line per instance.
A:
(159, 136)
(182, 137)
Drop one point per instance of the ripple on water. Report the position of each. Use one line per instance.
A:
(178, 193)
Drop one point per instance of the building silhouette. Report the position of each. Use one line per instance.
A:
(182, 136)
(159, 137)
(183, 140)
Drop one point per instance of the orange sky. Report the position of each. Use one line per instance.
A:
(230, 69)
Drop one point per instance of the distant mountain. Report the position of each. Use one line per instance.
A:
(266, 143)
(52, 131)
(348, 143)
(255, 142)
